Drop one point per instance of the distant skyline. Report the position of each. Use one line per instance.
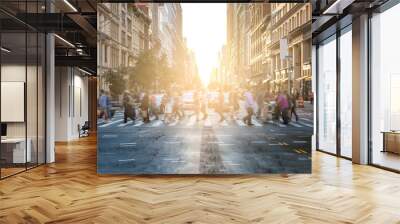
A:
(204, 27)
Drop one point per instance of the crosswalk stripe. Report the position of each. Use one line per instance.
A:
(256, 123)
(157, 123)
(306, 119)
(295, 125)
(174, 123)
(240, 122)
(192, 121)
(139, 123)
(125, 124)
(305, 124)
(110, 123)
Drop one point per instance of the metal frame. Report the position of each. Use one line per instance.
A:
(44, 76)
(381, 9)
(339, 32)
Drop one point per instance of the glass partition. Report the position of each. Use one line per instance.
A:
(385, 89)
(327, 95)
(346, 92)
(22, 87)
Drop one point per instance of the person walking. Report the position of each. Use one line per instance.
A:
(249, 105)
(260, 102)
(104, 102)
(144, 107)
(154, 106)
(129, 110)
(197, 104)
(283, 104)
(220, 107)
(234, 102)
(293, 106)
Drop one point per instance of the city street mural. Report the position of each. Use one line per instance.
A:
(196, 88)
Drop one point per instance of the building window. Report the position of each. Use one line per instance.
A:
(327, 95)
(385, 89)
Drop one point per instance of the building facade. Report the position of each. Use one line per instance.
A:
(123, 32)
(290, 47)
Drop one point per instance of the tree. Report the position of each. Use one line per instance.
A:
(116, 80)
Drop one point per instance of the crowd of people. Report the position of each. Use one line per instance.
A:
(169, 107)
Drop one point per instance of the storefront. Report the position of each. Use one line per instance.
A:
(358, 81)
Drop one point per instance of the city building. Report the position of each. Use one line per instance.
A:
(123, 32)
(48, 73)
(259, 23)
(170, 29)
(290, 47)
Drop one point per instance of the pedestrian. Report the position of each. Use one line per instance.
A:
(129, 110)
(283, 104)
(144, 107)
(234, 102)
(220, 107)
(104, 102)
(154, 106)
(293, 105)
(204, 105)
(260, 102)
(197, 104)
(168, 108)
(249, 105)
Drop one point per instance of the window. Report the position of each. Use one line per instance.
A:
(327, 95)
(385, 88)
(346, 93)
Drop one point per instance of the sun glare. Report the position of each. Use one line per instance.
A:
(204, 27)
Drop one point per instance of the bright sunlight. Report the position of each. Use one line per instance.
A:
(204, 27)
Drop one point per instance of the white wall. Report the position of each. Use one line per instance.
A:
(71, 87)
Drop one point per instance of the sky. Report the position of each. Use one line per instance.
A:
(204, 27)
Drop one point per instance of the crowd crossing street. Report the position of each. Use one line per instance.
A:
(189, 146)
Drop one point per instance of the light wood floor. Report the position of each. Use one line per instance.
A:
(70, 191)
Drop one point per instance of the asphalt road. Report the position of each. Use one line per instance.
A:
(205, 147)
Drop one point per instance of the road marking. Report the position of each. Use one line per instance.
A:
(273, 144)
(110, 136)
(258, 142)
(110, 123)
(224, 123)
(138, 123)
(240, 122)
(281, 125)
(225, 144)
(207, 123)
(299, 142)
(306, 119)
(222, 135)
(305, 124)
(256, 123)
(215, 142)
(126, 160)
(172, 142)
(173, 123)
(127, 144)
(125, 124)
(295, 125)
(156, 123)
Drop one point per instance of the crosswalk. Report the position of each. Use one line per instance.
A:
(190, 121)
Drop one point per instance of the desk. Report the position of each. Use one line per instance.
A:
(13, 150)
(391, 141)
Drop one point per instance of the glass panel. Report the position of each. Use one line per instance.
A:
(327, 95)
(385, 83)
(31, 98)
(13, 79)
(41, 98)
(346, 94)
